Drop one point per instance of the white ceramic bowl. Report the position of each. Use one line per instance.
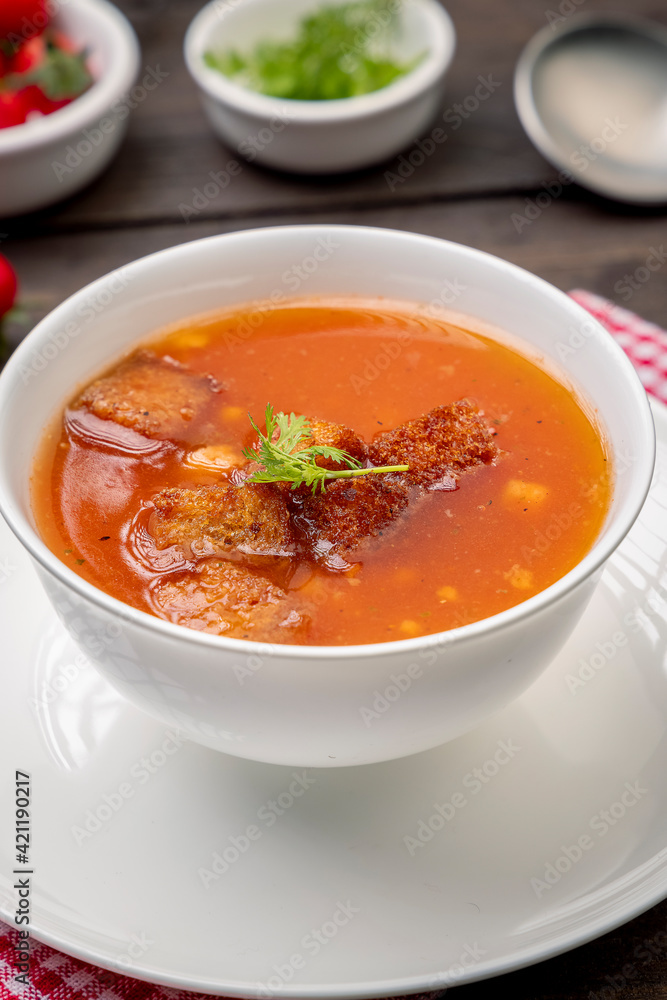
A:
(318, 136)
(49, 158)
(302, 705)
(591, 92)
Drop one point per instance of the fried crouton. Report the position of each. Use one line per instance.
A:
(437, 446)
(335, 436)
(224, 598)
(325, 433)
(331, 525)
(251, 518)
(157, 397)
(273, 519)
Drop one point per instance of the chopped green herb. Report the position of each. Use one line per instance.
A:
(79, 562)
(284, 459)
(339, 51)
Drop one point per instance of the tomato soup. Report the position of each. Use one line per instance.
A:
(504, 531)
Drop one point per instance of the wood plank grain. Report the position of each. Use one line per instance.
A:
(572, 243)
(628, 964)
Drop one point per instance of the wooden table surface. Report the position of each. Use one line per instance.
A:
(468, 190)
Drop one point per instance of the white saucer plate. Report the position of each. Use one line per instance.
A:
(542, 829)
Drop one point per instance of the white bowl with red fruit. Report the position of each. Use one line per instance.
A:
(67, 68)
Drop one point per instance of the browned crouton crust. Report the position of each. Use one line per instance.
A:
(257, 519)
(227, 599)
(335, 436)
(251, 518)
(334, 523)
(157, 397)
(441, 444)
(331, 435)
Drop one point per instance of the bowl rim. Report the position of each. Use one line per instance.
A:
(98, 99)
(530, 116)
(615, 529)
(403, 90)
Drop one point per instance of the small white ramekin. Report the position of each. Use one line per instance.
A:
(318, 136)
(49, 158)
(319, 705)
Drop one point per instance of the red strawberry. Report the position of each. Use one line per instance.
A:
(22, 18)
(35, 100)
(42, 75)
(30, 56)
(8, 286)
(13, 108)
(61, 41)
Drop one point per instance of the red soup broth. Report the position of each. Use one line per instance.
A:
(509, 530)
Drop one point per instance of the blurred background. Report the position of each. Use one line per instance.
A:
(478, 187)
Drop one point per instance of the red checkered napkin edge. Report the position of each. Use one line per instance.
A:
(644, 343)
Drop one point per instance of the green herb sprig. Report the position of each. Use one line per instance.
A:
(285, 460)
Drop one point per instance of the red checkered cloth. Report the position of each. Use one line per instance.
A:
(644, 343)
(54, 976)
